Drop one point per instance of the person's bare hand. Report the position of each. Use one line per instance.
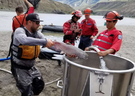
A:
(102, 53)
(106, 52)
(24, 0)
(87, 49)
(49, 43)
(91, 37)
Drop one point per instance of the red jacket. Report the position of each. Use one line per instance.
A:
(89, 27)
(109, 40)
(15, 23)
(68, 29)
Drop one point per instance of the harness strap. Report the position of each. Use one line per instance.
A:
(27, 33)
(12, 40)
(21, 25)
(18, 21)
(10, 46)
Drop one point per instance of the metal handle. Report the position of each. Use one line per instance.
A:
(58, 84)
(102, 62)
(95, 48)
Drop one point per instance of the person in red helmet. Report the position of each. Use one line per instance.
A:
(72, 28)
(89, 30)
(109, 41)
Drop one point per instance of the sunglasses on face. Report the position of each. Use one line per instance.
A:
(109, 21)
(77, 17)
(37, 22)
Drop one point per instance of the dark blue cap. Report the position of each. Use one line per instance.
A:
(33, 17)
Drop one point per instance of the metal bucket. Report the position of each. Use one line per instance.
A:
(83, 77)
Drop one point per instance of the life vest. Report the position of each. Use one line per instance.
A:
(26, 52)
(105, 39)
(19, 21)
(73, 26)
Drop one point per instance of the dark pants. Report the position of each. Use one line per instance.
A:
(28, 81)
(85, 41)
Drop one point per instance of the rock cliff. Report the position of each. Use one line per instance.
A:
(100, 7)
(49, 6)
(123, 7)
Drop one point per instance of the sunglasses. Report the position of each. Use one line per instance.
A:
(37, 22)
(77, 17)
(109, 21)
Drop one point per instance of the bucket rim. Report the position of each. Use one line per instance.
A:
(102, 70)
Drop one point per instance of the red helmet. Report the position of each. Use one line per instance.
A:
(112, 15)
(87, 11)
(77, 13)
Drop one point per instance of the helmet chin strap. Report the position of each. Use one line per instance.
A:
(73, 19)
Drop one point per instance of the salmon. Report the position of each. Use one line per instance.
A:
(70, 50)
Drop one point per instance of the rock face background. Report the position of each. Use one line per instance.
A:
(75, 3)
(53, 6)
(100, 7)
(123, 7)
(49, 6)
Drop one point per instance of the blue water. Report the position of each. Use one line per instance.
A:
(56, 19)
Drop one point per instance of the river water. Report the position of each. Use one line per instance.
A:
(56, 19)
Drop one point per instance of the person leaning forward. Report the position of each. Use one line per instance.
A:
(89, 30)
(25, 49)
(109, 41)
(72, 28)
(19, 20)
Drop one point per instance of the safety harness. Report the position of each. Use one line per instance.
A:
(24, 52)
(21, 24)
(70, 37)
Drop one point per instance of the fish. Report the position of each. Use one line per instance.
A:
(70, 50)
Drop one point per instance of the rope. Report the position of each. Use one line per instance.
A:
(52, 81)
(48, 83)
(5, 70)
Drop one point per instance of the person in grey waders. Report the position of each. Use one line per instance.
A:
(25, 48)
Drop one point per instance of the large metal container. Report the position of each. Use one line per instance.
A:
(83, 77)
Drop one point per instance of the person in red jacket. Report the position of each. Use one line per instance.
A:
(109, 41)
(72, 28)
(89, 30)
(19, 20)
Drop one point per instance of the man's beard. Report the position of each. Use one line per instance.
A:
(33, 29)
